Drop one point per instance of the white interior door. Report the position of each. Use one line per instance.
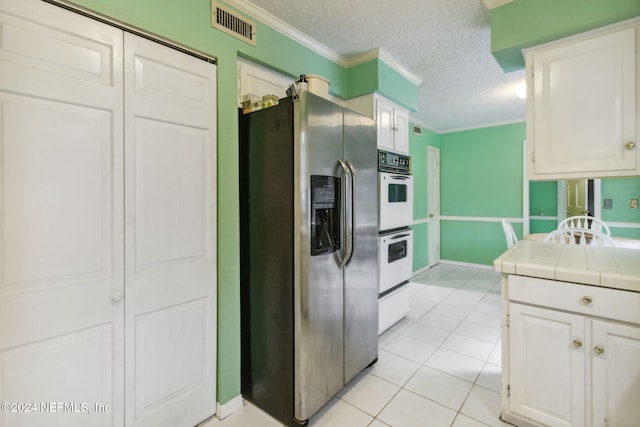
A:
(576, 197)
(61, 231)
(433, 201)
(170, 194)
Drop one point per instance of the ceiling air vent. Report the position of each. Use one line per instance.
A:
(417, 130)
(228, 21)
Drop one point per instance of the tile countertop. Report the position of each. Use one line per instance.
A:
(617, 268)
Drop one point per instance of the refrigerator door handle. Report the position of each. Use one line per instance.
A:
(352, 216)
(345, 216)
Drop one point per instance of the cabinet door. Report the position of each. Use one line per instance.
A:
(384, 123)
(546, 365)
(259, 80)
(401, 134)
(616, 374)
(584, 107)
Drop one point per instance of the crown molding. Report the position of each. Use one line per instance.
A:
(491, 4)
(385, 57)
(361, 58)
(286, 29)
(296, 35)
(484, 125)
(396, 65)
(417, 122)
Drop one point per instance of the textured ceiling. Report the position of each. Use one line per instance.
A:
(446, 43)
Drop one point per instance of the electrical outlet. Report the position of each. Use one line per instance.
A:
(607, 203)
(633, 203)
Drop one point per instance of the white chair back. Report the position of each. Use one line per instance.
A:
(509, 233)
(579, 236)
(586, 223)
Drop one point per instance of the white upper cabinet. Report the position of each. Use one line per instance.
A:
(259, 80)
(583, 105)
(392, 121)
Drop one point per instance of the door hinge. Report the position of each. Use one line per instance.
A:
(508, 390)
(533, 157)
(507, 320)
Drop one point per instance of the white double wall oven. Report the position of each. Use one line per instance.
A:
(395, 237)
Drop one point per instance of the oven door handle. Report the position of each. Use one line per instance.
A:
(346, 217)
(399, 236)
(400, 177)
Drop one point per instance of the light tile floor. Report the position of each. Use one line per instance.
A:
(438, 367)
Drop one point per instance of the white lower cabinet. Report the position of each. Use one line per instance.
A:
(574, 364)
(547, 369)
(615, 365)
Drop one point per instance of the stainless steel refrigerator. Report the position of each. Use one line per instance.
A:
(308, 209)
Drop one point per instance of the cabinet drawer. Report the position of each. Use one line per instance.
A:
(590, 300)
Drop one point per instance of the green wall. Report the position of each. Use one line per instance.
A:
(473, 242)
(481, 177)
(524, 23)
(418, 149)
(543, 202)
(188, 23)
(620, 190)
(396, 87)
(481, 172)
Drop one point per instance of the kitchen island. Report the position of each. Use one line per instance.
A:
(570, 335)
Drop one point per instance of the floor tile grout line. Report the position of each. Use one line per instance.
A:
(450, 332)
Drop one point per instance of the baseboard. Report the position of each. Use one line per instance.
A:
(420, 271)
(226, 409)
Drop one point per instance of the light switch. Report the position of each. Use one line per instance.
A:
(607, 203)
(633, 203)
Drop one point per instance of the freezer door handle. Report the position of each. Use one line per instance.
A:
(352, 216)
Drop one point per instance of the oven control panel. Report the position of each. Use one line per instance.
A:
(393, 162)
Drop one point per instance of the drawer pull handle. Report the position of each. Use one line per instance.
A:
(598, 349)
(577, 343)
(587, 299)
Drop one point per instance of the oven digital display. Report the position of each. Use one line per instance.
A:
(392, 162)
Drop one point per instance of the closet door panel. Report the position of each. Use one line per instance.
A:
(170, 236)
(170, 181)
(62, 221)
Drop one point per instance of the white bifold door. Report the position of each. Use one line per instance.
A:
(107, 225)
(170, 236)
